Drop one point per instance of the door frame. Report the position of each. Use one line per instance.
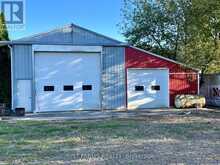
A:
(168, 83)
(65, 49)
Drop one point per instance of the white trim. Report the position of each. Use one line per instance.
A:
(33, 82)
(101, 82)
(164, 58)
(148, 69)
(125, 81)
(181, 73)
(65, 48)
(12, 77)
(168, 83)
(198, 92)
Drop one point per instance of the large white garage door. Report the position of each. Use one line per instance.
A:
(148, 88)
(67, 81)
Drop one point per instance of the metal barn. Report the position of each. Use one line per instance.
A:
(73, 68)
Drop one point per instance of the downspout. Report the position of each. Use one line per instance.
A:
(12, 77)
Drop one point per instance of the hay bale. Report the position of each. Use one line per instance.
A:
(189, 101)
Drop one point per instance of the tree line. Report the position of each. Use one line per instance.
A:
(183, 30)
(4, 64)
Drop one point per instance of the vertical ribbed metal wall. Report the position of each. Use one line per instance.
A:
(73, 35)
(113, 78)
(22, 61)
(22, 66)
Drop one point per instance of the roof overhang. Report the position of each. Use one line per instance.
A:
(3, 43)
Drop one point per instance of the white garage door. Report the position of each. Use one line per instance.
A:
(67, 81)
(148, 88)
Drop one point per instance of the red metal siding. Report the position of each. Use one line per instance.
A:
(182, 80)
(182, 84)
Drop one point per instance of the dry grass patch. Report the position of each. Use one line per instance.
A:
(151, 140)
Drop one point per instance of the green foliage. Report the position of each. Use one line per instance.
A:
(4, 63)
(3, 29)
(202, 47)
(187, 30)
(153, 25)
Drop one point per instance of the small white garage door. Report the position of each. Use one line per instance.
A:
(67, 81)
(148, 88)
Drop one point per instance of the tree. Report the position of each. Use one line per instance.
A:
(201, 48)
(4, 63)
(3, 29)
(187, 30)
(154, 25)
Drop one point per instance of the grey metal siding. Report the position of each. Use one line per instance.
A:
(83, 37)
(22, 66)
(113, 78)
(56, 37)
(113, 74)
(73, 35)
(22, 61)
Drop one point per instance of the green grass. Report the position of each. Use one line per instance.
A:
(29, 141)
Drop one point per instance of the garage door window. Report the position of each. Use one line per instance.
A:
(48, 88)
(155, 87)
(68, 87)
(139, 88)
(87, 87)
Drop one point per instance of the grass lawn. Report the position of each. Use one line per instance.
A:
(145, 140)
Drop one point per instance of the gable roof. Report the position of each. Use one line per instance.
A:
(70, 34)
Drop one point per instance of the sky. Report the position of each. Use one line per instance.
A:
(101, 16)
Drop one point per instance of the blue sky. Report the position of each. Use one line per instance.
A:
(99, 15)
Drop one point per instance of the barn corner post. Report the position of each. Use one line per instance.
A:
(101, 80)
(125, 80)
(198, 81)
(126, 86)
(34, 101)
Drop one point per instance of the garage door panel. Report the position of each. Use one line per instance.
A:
(57, 103)
(147, 88)
(58, 100)
(58, 66)
(67, 69)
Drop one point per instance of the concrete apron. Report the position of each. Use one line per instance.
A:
(99, 115)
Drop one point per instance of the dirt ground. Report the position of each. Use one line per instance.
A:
(187, 138)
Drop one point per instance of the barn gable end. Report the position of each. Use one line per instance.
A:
(71, 34)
